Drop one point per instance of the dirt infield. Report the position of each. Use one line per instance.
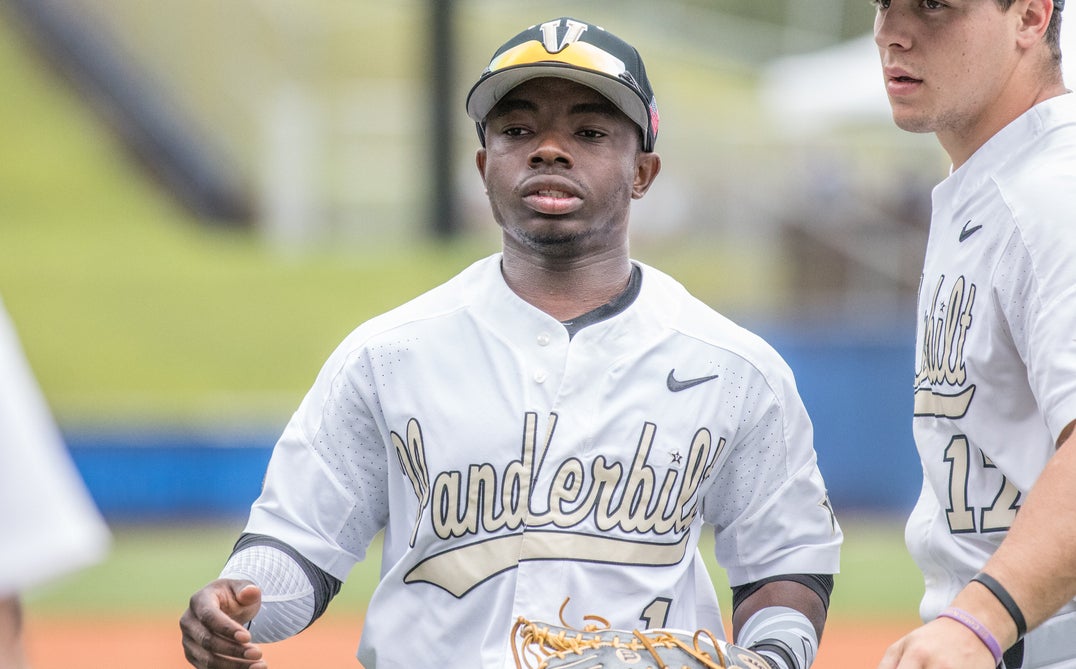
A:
(117, 643)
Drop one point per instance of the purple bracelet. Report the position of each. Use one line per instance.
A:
(980, 630)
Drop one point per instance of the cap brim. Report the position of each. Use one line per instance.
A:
(485, 95)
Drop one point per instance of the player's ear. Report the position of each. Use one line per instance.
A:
(647, 166)
(1034, 20)
(480, 162)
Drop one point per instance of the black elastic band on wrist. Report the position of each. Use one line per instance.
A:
(1003, 596)
(779, 649)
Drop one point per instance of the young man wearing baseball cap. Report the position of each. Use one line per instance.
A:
(544, 435)
(994, 530)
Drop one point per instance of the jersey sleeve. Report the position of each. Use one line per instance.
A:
(325, 491)
(769, 504)
(1036, 291)
(50, 525)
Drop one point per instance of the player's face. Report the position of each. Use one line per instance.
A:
(561, 166)
(947, 64)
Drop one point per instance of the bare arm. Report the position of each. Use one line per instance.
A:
(781, 593)
(1037, 561)
(1036, 564)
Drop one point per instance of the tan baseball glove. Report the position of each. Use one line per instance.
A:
(537, 645)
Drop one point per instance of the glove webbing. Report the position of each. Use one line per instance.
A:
(540, 642)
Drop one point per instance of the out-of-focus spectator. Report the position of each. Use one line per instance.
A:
(49, 525)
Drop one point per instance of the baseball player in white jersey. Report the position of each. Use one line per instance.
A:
(48, 522)
(994, 530)
(544, 435)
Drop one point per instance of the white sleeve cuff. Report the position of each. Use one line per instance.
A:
(287, 594)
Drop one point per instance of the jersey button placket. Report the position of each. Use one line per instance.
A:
(543, 339)
(545, 354)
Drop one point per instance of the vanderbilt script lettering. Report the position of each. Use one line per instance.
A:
(628, 500)
(945, 327)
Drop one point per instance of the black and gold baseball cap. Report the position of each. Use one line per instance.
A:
(576, 50)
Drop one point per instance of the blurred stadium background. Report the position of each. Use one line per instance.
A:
(200, 198)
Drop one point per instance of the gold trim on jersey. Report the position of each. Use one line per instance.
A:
(940, 405)
(461, 569)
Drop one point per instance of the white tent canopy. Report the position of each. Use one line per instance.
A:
(842, 84)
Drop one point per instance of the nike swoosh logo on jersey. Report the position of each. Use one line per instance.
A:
(676, 385)
(966, 232)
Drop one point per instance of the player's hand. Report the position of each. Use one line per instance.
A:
(939, 644)
(214, 626)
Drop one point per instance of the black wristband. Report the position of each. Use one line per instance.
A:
(778, 648)
(1003, 596)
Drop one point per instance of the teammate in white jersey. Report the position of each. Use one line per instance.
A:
(994, 530)
(550, 428)
(49, 525)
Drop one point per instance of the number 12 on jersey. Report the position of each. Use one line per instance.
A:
(999, 515)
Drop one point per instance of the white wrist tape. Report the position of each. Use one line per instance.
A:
(287, 594)
(779, 631)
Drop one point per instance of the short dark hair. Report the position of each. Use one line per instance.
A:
(1053, 31)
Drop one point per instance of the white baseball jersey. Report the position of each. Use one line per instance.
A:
(996, 347)
(514, 468)
(49, 526)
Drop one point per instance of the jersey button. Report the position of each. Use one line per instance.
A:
(539, 376)
(543, 339)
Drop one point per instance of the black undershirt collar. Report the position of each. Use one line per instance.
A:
(611, 308)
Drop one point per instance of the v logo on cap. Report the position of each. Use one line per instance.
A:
(549, 34)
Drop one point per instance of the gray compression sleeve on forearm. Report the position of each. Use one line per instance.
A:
(784, 636)
(288, 601)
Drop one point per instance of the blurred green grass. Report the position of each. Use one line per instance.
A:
(153, 571)
(130, 308)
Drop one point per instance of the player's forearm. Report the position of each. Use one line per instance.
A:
(783, 621)
(287, 594)
(1036, 563)
(782, 593)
